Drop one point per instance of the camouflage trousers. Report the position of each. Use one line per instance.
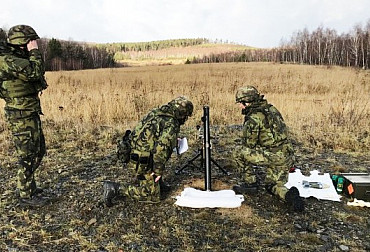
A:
(30, 147)
(264, 166)
(142, 187)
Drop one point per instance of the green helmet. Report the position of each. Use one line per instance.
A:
(21, 35)
(247, 94)
(183, 105)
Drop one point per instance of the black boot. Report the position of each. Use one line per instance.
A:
(111, 190)
(35, 190)
(245, 188)
(164, 187)
(34, 201)
(293, 199)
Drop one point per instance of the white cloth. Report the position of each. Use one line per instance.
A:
(328, 191)
(194, 198)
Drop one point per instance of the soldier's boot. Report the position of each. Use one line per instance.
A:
(34, 189)
(269, 187)
(246, 188)
(110, 191)
(164, 187)
(293, 199)
(34, 201)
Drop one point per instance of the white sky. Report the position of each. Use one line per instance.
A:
(259, 23)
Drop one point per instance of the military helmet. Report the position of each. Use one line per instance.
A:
(21, 35)
(183, 105)
(247, 94)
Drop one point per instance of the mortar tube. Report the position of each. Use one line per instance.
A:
(207, 149)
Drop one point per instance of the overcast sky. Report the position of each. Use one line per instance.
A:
(259, 23)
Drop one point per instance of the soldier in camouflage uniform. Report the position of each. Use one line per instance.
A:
(22, 76)
(3, 49)
(147, 149)
(2, 37)
(265, 145)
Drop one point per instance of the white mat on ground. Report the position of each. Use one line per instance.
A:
(328, 191)
(359, 203)
(194, 198)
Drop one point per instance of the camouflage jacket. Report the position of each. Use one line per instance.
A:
(22, 78)
(156, 135)
(4, 49)
(263, 126)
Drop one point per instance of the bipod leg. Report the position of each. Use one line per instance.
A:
(190, 161)
(219, 167)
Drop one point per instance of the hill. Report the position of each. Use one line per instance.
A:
(174, 55)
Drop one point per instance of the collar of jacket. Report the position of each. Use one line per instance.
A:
(254, 105)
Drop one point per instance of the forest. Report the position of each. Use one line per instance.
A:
(69, 55)
(322, 46)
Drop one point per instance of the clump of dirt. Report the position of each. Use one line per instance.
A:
(77, 220)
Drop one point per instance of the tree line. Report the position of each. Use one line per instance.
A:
(154, 45)
(326, 47)
(319, 47)
(69, 55)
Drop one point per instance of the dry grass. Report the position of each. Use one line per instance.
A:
(86, 110)
(174, 55)
(324, 107)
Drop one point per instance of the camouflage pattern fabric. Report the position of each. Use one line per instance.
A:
(30, 148)
(22, 79)
(265, 146)
(144, 189)
(3, 49)
(2, 37)
(152, 143)
(247, 94)
(21, 35)
(22, 76)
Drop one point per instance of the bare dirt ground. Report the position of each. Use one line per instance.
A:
(76, 220)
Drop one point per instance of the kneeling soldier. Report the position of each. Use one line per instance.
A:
(264, 144)
(147, 149)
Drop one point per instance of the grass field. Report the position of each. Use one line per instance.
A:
(174, 55)
(324, 107)
(85, 112)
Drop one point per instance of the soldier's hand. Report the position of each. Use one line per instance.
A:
(32, 45)
(156, 178)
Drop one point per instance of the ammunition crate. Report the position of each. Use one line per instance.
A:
(357, 185)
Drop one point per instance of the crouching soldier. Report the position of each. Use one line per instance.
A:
(265, 145)
(147, 149)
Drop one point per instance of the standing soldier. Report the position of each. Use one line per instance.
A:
(22, 75)
(147, 149)
(3, 49)
(2, 38)
(264, 144)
